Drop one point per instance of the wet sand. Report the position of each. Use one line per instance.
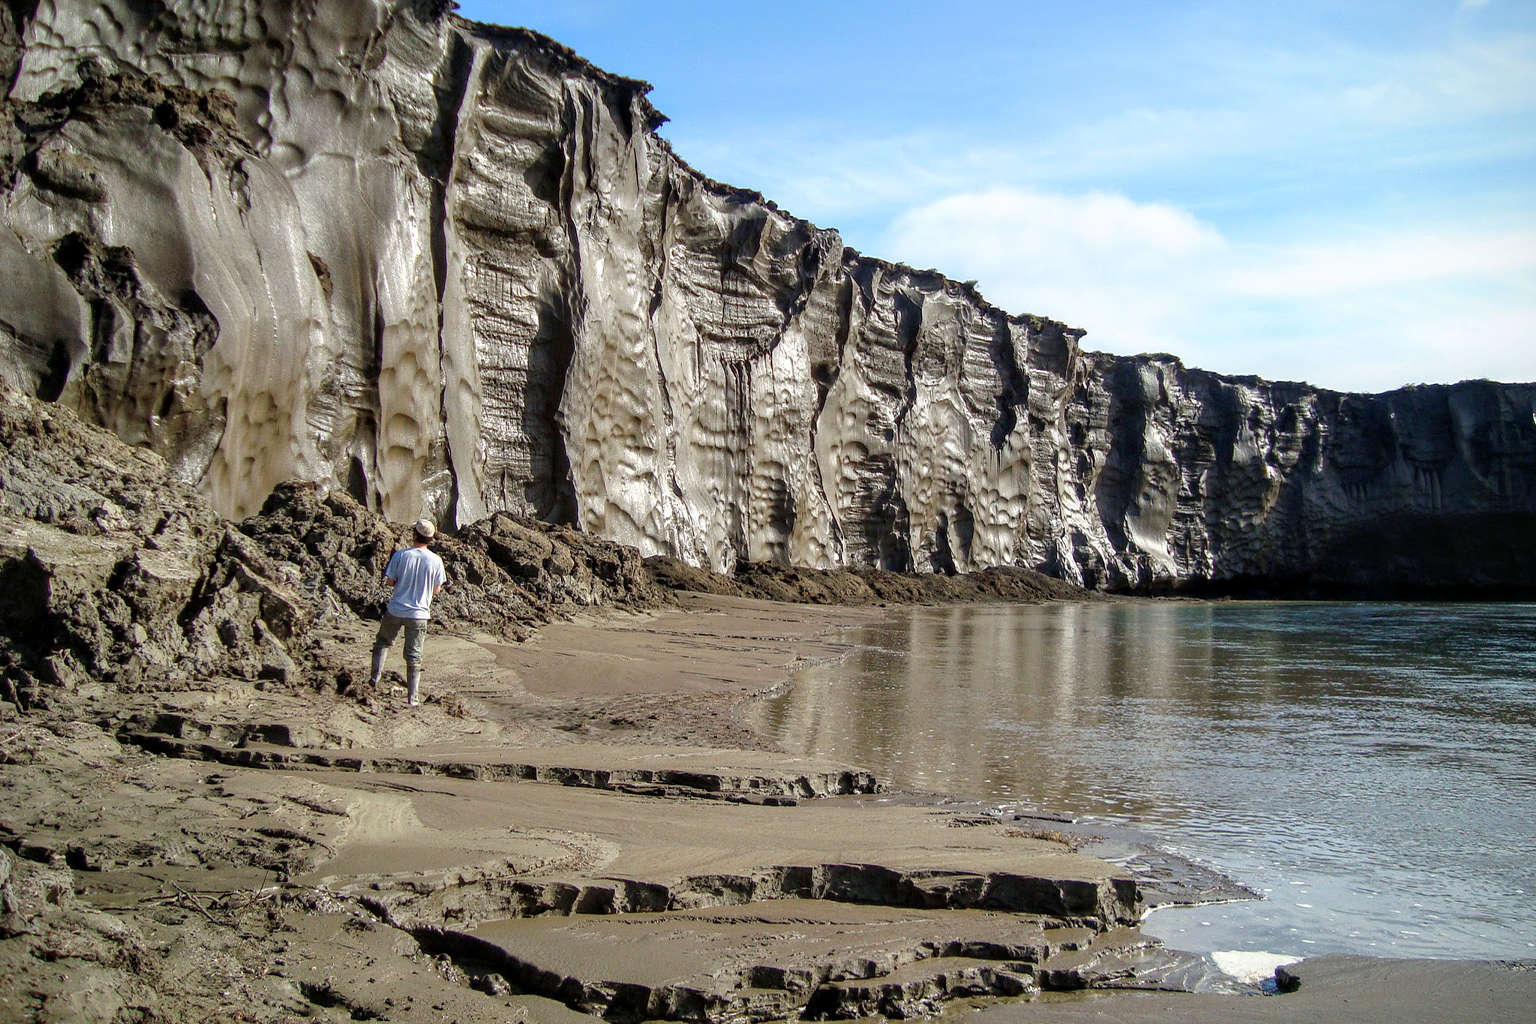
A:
(1332, 990)
(584, 817)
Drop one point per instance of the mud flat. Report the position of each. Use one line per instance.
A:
(574, 825)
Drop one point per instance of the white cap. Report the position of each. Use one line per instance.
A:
(425, 529)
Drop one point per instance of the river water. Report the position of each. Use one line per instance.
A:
(1370, 768)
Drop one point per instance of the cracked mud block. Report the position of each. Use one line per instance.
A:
(763, 961)
(377, 973)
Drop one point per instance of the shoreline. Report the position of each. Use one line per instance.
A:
(406, 834)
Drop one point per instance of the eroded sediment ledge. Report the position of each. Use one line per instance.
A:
(737, 776)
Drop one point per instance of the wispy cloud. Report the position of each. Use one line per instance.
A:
(1239, 113)
(829, 175)
(1099, 260)
(1400, 259)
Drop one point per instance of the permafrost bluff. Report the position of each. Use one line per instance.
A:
(453, 268)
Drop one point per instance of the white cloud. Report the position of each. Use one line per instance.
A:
(1398, 259)
(1027, 225)
(1099, 261)
(1368, 313)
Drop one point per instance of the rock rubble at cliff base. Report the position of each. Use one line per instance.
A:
(112, 573)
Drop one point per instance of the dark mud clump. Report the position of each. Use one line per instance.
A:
(114, 574)
(506, 573)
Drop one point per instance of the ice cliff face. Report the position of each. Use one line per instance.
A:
(452, 269)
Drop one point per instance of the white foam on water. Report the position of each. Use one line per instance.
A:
(1249, 967)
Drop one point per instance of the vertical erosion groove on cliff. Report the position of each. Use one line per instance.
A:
(452, 269)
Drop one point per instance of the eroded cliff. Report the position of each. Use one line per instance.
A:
(452, 268)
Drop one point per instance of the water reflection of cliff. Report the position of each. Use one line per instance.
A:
(964, 699)
(1110, 707)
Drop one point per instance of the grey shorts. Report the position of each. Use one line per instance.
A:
(415, 632)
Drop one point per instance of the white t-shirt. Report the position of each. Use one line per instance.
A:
(417, 573)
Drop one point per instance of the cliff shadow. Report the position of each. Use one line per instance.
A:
(550, 490)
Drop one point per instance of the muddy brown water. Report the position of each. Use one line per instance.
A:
(1371, 768)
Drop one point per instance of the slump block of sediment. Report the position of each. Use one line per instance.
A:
(768, 960)
(435, 850)
(373, 972)
(811, 959)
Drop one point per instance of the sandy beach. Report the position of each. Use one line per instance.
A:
(577, 824)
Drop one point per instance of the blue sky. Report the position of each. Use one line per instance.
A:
(1338, 192)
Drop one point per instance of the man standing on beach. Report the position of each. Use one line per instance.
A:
(416, 574)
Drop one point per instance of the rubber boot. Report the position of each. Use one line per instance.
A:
(413, 684)
(378, 666)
